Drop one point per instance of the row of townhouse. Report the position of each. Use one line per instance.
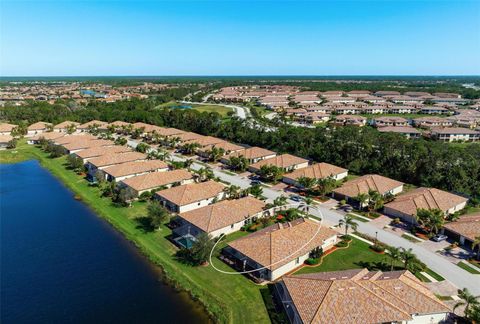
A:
(271, 253)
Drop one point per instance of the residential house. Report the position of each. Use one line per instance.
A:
(104, 161)
(451, 134)
(371, 110)
(359, 93)
(348, 110)
(131, 169)
(405, 206)
(316, 171)
(403, 110)
(390, 121)
(359, 296)
(6, 129)
(464, 230)
(221, 218)
(93, 124)
(227, 148)
(76, 146)
(50, 136)
(64, 127)
(374, 99)
(387, 93)
(5, 140)
(190, 196)
(429, 122)
(152, 180)
(344, 100)
(435, 110)
(93, 152)
(38, 128)
(280, 248)
(286, 162)
(252, 154)
(408, 131)
(362, 185)
(350, 120)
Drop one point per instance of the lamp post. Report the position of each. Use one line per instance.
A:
(376, 237)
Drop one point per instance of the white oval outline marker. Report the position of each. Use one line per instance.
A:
(268, 266)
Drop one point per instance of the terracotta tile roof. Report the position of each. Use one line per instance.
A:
(117, 158)
(223, 213)
(390, 119)
(204, 141)
(65, 124)
(5, 127)
(157, 179)
(128, 168)
(147, 128)
(48, 136)
(399, 129)
(454, 130)
(426, 198)
(38, 126)
(281, 161)
(162, 131)
(5, 138)
(252, 153)
(316, 171)
(119, 123)
(99, 151)
(467, 226)
(226, 146)
(190, 193)
(188, 136)
(368, 182)
(98, 123)
(77, 145)
(272, 244)
(360, 296)
(65, 139)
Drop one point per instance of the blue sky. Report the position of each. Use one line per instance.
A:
(61, 38)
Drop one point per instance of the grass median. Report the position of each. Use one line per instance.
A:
(228, 298)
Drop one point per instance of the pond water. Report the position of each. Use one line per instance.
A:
(60, 263)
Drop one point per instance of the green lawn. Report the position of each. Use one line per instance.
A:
(411, 238)
(435, 275)
(223, 111)
(229, 298)
(357, 255)
(467, 268)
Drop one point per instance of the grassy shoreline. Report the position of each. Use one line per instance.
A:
(226, 298)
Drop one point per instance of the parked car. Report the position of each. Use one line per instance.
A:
(346, 208)
(296, 198)
(439, 237)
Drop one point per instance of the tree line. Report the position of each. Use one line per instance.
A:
(421, 162)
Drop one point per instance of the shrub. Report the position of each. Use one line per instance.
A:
(342, 244)
(312, 261)
(378, 248)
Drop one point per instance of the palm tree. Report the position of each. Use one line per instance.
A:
(375, 200)
(408, 257)
(280, 201)
(256, 191)
(467, 300)
(348, 222)
(232, 191)
(307, 183)
(215, 154)
(395, 255)
(307, 202)
(362, 198)
(326, 185)
(476, 243)
(187, 163)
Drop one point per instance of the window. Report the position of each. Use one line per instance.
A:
(231, 226)
(297, 260)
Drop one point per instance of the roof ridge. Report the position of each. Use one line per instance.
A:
(321, 301)
(210, 215)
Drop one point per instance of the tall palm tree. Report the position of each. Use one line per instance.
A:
(348, 222)
(232, 191)
(395, 255)
(408, 257)
(307, 183)
(305, 205)
(280, 201)
(362, 199)
(467, 300)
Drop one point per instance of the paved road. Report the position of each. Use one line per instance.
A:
(445, 268)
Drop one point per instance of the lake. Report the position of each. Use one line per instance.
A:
(60, 263)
